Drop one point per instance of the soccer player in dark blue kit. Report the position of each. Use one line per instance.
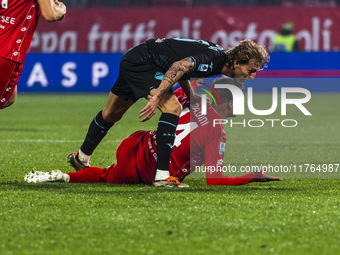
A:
(150, 70)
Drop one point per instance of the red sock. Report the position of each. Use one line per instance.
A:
(90, 174)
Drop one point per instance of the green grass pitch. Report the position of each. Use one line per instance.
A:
(295, 216)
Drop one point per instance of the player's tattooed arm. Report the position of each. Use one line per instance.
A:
(190, 64)
(174, 74)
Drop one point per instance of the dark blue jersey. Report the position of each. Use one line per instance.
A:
(209, 58)
(143, 67)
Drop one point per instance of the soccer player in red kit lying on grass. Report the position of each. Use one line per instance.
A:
(197, 142)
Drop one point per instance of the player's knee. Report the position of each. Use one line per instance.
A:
(115, 108)
(110, 116)
(174, 107)
(178, 109)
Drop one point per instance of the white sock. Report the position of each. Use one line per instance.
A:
(161, 174)
(66, 178)
(85, 159)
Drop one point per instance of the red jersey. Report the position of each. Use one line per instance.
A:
(197, 142)
(18, 20)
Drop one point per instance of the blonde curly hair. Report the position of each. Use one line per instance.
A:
(246, 50)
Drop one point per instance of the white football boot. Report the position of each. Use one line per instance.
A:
(38, 176)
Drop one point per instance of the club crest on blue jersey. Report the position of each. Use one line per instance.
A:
(159, 76)
(203, 67)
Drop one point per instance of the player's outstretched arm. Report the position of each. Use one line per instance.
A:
(260, 176)
(52, 10)
(174, 74)
(217, 178)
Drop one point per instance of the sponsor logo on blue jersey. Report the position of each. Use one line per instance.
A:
(203, 67)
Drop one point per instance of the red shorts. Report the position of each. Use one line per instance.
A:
(124, 171)
(9, 77)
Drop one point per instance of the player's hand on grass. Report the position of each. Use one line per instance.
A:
(150, 109)
(260, 176)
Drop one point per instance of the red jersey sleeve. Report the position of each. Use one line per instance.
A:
(18, 20)
(214, 154)
(213, 157)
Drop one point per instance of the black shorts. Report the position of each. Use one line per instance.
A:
(137, 74)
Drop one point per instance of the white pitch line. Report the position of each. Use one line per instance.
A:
(50, 141)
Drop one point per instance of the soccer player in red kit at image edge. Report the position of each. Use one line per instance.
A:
(18, 20)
